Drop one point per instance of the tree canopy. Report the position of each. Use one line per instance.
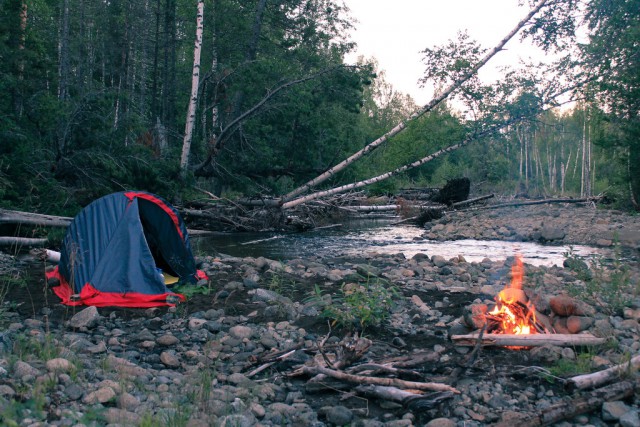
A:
(96, 97)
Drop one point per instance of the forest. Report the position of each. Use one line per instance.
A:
(253, 99)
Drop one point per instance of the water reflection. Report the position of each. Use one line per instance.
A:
(381, 236)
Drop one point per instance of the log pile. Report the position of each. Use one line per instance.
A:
(337, 367)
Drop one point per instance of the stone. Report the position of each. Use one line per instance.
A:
(169, 359)
(195, 324)
(550, 234)
(441, 422)
(22, 369)
(612, 411)
(128, 402)
(475, 316)
(59, 365)
(241, 332)
(87, 318)
(338, 415)
(121, 417)
(546, 353)
(236, 420)
(6, 391)
(576, 324)
(102, 395)
(439, 261)
(563, 305)
(167, 340)
(630, 419)
(74, 392)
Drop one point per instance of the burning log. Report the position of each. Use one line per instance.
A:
(602, 377)
(532, 340)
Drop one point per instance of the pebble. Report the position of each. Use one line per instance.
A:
(166, 361)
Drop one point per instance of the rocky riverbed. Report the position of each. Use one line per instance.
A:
(234, 354)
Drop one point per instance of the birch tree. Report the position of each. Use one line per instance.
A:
(195, 82)
(292, 198)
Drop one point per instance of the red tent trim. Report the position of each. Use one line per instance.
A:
(131, 194)
(91, 296)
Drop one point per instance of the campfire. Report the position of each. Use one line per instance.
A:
(514, 313)
(515, 323)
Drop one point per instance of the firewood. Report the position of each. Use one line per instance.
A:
(602, 377)
(412, 400)
(533, 340)
(391, 382)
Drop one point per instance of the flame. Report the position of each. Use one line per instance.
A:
(513, 311)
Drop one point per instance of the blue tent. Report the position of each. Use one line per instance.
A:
(119, 251)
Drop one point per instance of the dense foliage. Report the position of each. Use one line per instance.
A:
(95, 96)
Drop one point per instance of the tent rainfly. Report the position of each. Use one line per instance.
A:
(123, 250)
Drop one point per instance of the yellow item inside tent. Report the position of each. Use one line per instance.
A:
(169, 279)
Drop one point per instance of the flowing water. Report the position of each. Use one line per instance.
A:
(382, 236)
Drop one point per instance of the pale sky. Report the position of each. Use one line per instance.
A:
(394, 32)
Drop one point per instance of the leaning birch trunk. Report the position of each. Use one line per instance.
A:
(195, 81)
(398, 171)
(428, 107)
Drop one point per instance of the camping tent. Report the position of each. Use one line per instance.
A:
(120, 250)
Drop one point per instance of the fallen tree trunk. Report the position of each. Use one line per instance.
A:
(534, 340)
(602, 377)
(471, 201)
(30, 218)
(570, 408)
(293, 198)
(22, 241)
(539, 202)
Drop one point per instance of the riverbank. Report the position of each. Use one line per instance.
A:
(220, 358)
(567, 224)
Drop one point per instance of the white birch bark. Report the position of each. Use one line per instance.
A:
(373, 180)
(195, 81)
(428, 107)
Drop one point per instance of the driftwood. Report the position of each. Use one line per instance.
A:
(570, 408)
(390, 382)
(30, 218)
(533, 340)
(539, 202)
(471, 201)
(22, 241)
(412, 400)
(602, 377)
(45, 255)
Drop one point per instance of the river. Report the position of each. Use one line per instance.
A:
(382, 236)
